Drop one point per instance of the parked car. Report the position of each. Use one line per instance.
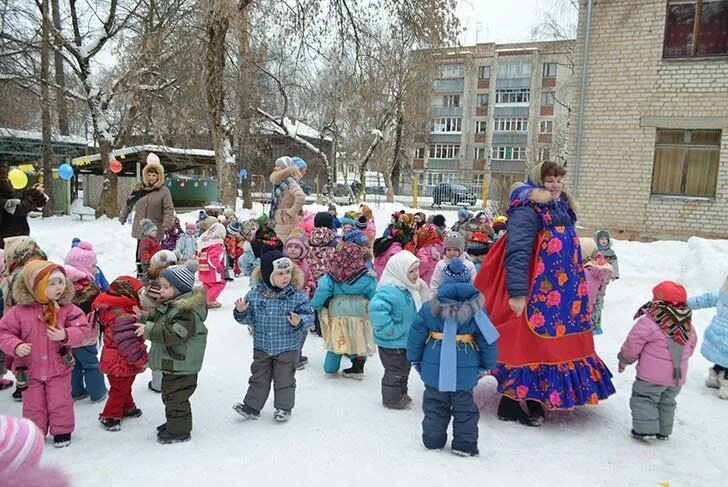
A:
(455, 194)
(343, 195)
(376, 190)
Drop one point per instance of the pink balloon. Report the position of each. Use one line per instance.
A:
(115, 166)
(152, 158)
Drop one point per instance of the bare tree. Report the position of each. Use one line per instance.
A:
(45, 102)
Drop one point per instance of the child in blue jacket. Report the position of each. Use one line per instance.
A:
(279, 313)
(451, 343)
(399, 297)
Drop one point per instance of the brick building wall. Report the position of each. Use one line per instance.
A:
(631, 92)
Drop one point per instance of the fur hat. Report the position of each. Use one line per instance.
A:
(454, 240)
(83, 258)
(367, 212)
(148, 227)
(36, 276)
(323, 219)
(179, 277)
(670, 292)
(21, 444)
(273, 261)
(455, 271)
(356, 237)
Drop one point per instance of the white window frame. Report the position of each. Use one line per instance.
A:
(420, 153)
(451, 101)
(482, 71)
(544, 154)
(481, 126)
(513, 97)
(444, 151)
(480, 154)
(547, 70)
(544, 98)
(511, 124)
(479, 98)
(478, 179)
(508, 153)
(452, 70)
(546, 127)
(447, 125)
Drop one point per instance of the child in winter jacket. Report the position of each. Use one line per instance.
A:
(715, 338)
(171, 236)
(279, 314)
(234, 246)
(179, 337)
(393, 308)
(296, 249)
(87, 380)
(428, 247)
(451, 343)
(124, 354)
(342, 299)
(44, 326)
(463, 216)
(335, 223)
(454, 244)
(603, 240)
(598, 273)
(148, 245)
(248, 261)
(322, 246)
(661, 342)
(211, 262)
(187, 244)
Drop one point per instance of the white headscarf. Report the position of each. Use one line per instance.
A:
(214, 235)
(395, 274)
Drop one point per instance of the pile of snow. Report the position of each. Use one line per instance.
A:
(339, 431)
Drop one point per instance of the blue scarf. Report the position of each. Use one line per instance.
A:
(276, 198)
(448, 349)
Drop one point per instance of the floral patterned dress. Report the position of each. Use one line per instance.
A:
(547, 354)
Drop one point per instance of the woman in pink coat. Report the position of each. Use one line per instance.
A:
(661, 342)
(45, 327)
(211, 262)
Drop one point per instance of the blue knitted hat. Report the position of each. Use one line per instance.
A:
(455, 272)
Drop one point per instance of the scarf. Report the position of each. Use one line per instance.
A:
(349, 264)
(674, 320)
(395, 274)
(275, 200)
(427, 235)
(138, 193)
(213, 236)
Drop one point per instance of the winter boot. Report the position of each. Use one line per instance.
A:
(462, 453)
(166, 438)
(712, 380)
(133, 413)
(510, 410)
(723, 382)
(356, 371)
(643, 436)
(110, 424)
(403, 403)
(246, 411)
(282, 415)
(536, 411)
(62, 441)
(5, 384)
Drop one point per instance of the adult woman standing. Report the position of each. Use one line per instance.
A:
(150, 199)
(536, 294)
(286, 206)
(14, 208)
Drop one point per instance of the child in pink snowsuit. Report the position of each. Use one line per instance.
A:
(598, 273)
(211, 262)
(45, 327)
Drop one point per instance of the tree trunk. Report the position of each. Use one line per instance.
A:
(217, 23)
(45, 103)
(392, 178)
(246, 151)
(60, 75)
(109, 204)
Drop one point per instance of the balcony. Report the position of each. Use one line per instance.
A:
(451, 164)
(479, 138)
(512, 83)
(483, 84)
(507, 166)
(445, 138)
(544, 138)
(514, 112)
(510, 138)
(481, 111)
(547, 110)
(548, 82)
(438, 112)
(457, 84)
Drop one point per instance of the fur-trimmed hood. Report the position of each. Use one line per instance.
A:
(279, 175)
(22, 295)
(456, 300)
(190, 301)
(298, 278)
(159, 169)
(540, 195)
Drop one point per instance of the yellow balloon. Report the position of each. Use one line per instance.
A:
(18, 178)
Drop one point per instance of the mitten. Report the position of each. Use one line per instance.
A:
(125, 335)
(137, 354)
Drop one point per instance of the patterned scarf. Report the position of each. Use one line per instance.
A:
(126, 287)
(275, 200)
(427, 235)
(674, 320)
(349, 264)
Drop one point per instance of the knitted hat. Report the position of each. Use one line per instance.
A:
(464, 213)
(75, 242)
(148, 227)
(499, 225)
(296, 241)
(283, 162)
(37, 274)
(273, 261)
(179, 277)
(455, 272)
(21, 444)
(19, 250)
(361, 222)
(234, 227)
(163, 258)
(83, 258)
(438, 221)
(670, 292)
(454, 240)
(201, 215)
(323, 219)
(356, 237)
(347, 221)
(300, 163)
(190, 226)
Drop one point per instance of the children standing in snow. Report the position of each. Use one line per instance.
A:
(211, 262)
(463, 217)
(279, 314)
(296, 249)
(248, 261)
(598, 273)
(715, 338)
(234, 246)
(44, 327)
(393, 308)
(148, 245)
(661, 342)
(428, 247)
(124, 355)
(451, 343)
(187, 244)
(342, 299)
(454, 244)
(604, 245)
(171, 236)
(179, 337)
(322, 246)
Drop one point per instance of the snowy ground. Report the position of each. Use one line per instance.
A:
(340, 433)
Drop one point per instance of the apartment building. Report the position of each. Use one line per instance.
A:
(495, 110)
(650, 153)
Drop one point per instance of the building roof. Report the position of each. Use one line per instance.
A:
(173, 158)
(24, 146)
(294, 127)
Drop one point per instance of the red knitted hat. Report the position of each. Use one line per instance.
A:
(670, 292)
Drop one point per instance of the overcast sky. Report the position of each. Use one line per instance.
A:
(507, 20)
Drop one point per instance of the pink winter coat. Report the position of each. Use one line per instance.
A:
(24, 324)
(429, 257)
(310, 283)
(647, 345)
(211, 264)
(381, 262)
(597, 278)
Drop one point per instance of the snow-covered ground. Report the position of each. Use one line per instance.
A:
(340, 434)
